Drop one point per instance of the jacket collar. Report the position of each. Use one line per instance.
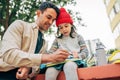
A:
(34, 25)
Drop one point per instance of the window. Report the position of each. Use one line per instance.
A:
(112, 14)
(119, 28)
(117, 7)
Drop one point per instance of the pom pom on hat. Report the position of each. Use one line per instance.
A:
(63, 17)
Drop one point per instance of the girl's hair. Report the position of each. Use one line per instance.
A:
(73, 28)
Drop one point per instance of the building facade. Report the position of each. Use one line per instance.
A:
(113, 11)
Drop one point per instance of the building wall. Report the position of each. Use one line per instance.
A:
(113, 11)
(118, 42)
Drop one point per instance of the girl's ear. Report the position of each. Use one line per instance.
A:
(38, 13)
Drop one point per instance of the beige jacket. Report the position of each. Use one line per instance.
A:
(18, 46)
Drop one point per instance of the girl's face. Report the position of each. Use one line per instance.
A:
(65, 28)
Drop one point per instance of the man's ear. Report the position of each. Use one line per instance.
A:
(38, 12)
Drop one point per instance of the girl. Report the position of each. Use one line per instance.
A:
(69, 40)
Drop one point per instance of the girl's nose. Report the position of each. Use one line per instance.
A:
(64, 29)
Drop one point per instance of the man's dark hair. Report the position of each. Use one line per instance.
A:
(46, 5)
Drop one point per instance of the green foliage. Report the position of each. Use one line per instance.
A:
(111, 51)
(10, 10)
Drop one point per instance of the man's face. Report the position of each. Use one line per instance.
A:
(46, 18)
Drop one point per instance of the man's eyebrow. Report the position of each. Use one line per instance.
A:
(52, 17)
(49, 15)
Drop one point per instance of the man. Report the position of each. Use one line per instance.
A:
(23, 45)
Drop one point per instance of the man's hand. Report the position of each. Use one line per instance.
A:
(22, 73)
(58, 56)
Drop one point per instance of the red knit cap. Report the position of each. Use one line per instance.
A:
(63, 17)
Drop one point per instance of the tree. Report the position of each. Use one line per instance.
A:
(110, 51)
(11, 10)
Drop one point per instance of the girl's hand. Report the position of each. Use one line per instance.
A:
(75, 54)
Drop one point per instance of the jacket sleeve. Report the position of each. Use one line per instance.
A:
(83, 48)
(11, 47)
(54, 46)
